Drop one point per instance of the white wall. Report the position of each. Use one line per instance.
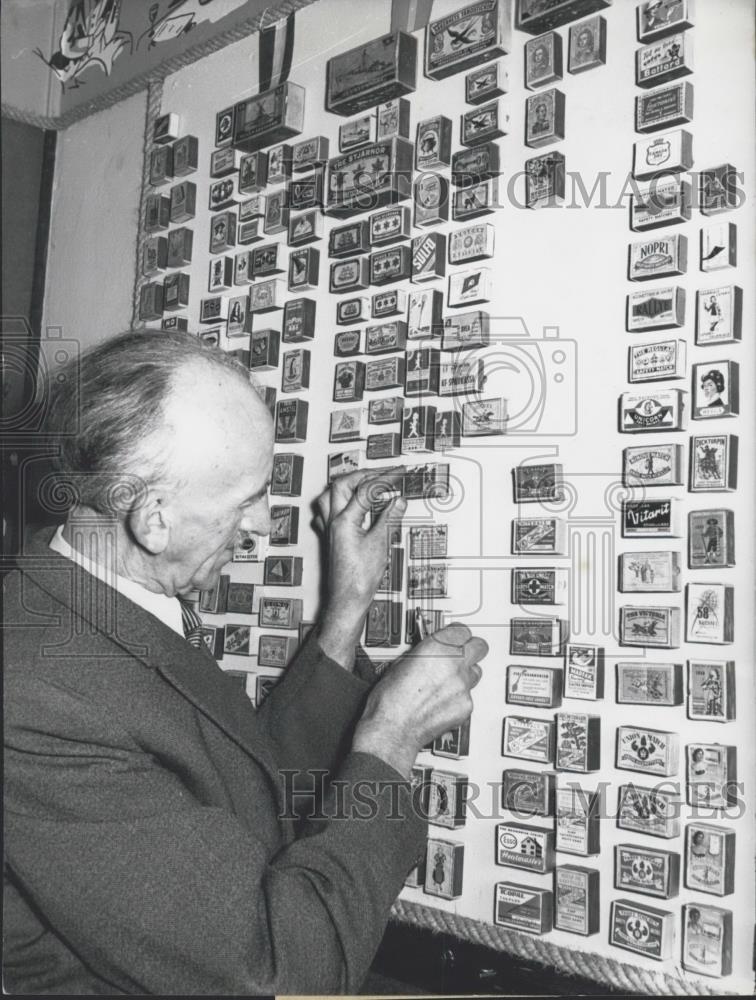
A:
(28, 85)
(95, 215)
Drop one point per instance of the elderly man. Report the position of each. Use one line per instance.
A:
(161, 835)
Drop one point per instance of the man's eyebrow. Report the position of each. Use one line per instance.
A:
(261, 492)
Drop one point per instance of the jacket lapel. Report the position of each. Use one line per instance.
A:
(101, 616)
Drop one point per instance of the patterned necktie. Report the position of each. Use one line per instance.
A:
(192, 624)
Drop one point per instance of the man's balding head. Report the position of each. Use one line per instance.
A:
(171, 437)
(215, 422)
(147, 402)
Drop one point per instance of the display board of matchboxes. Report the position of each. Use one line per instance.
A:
(346, 234)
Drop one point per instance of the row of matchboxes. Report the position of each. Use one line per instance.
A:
(708, 606)
(709, 850)
(709, 621)
(423, 373)
(573, 904)
(667, 201)
(707, 865)
(572, 741)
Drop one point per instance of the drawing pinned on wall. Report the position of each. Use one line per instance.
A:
(97, 32)
(169, 19)
(90, 37)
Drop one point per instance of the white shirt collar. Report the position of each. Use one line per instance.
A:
(165, 609)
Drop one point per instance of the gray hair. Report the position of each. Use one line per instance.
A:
(110, 402)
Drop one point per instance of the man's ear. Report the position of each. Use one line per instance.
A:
(150, 524)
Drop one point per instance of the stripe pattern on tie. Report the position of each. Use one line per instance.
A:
(192, 624)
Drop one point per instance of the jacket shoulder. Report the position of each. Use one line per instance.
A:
(44, 638)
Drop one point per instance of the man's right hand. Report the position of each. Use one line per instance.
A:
(425, 693)
(357, 555)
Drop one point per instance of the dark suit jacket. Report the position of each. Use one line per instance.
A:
(149, 846)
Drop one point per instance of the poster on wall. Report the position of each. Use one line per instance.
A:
(100, 45)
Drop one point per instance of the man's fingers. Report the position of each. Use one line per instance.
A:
(475, 674)
(392, 476)
(335, 498)
(343, 489)
(379, 483)
(455, 634)
(367, 485)
(371, 490)
(354, 511)
(390, 516)
(323, 504)
(475, 649)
